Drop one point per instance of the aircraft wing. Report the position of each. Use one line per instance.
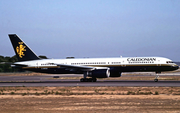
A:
(75, 67)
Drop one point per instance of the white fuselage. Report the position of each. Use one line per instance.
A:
(123, 64)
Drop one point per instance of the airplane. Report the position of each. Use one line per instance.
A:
(92, 68)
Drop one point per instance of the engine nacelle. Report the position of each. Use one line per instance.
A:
(99, 73)
(115, 74)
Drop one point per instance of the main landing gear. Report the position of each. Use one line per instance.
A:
(156, 78)
(87, 79)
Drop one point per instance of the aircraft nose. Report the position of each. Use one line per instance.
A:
(175, 66)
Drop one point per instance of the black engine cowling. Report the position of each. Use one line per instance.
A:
(99, 73)
(115, 74)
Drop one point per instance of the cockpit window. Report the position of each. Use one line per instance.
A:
(169, 62)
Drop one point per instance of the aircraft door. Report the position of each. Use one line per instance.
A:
(123, 64)
(158, 63)
(37, 66)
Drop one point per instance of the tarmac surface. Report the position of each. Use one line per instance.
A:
(38, 81)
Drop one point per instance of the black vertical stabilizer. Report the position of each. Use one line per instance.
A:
(23, 52)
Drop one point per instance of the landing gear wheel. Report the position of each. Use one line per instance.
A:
(88, 80)
(85, 80)
(94, 79)
(82, 80)
(155, 80)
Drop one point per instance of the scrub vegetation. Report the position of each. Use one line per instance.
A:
(89, 99)
(38, 91)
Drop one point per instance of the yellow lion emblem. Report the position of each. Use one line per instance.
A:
(20, 49)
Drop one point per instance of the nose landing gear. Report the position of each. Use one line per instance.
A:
(156, 78)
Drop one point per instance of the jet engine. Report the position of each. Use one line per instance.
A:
(115, 74)
(99, 73)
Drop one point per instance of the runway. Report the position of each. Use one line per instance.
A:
(48, 81)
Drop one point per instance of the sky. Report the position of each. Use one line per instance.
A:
(93, 28)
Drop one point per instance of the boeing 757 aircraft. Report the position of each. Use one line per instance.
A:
(89, 67)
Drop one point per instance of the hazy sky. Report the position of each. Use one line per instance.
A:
(93, 28)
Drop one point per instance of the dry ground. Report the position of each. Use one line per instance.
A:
(89, 99)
